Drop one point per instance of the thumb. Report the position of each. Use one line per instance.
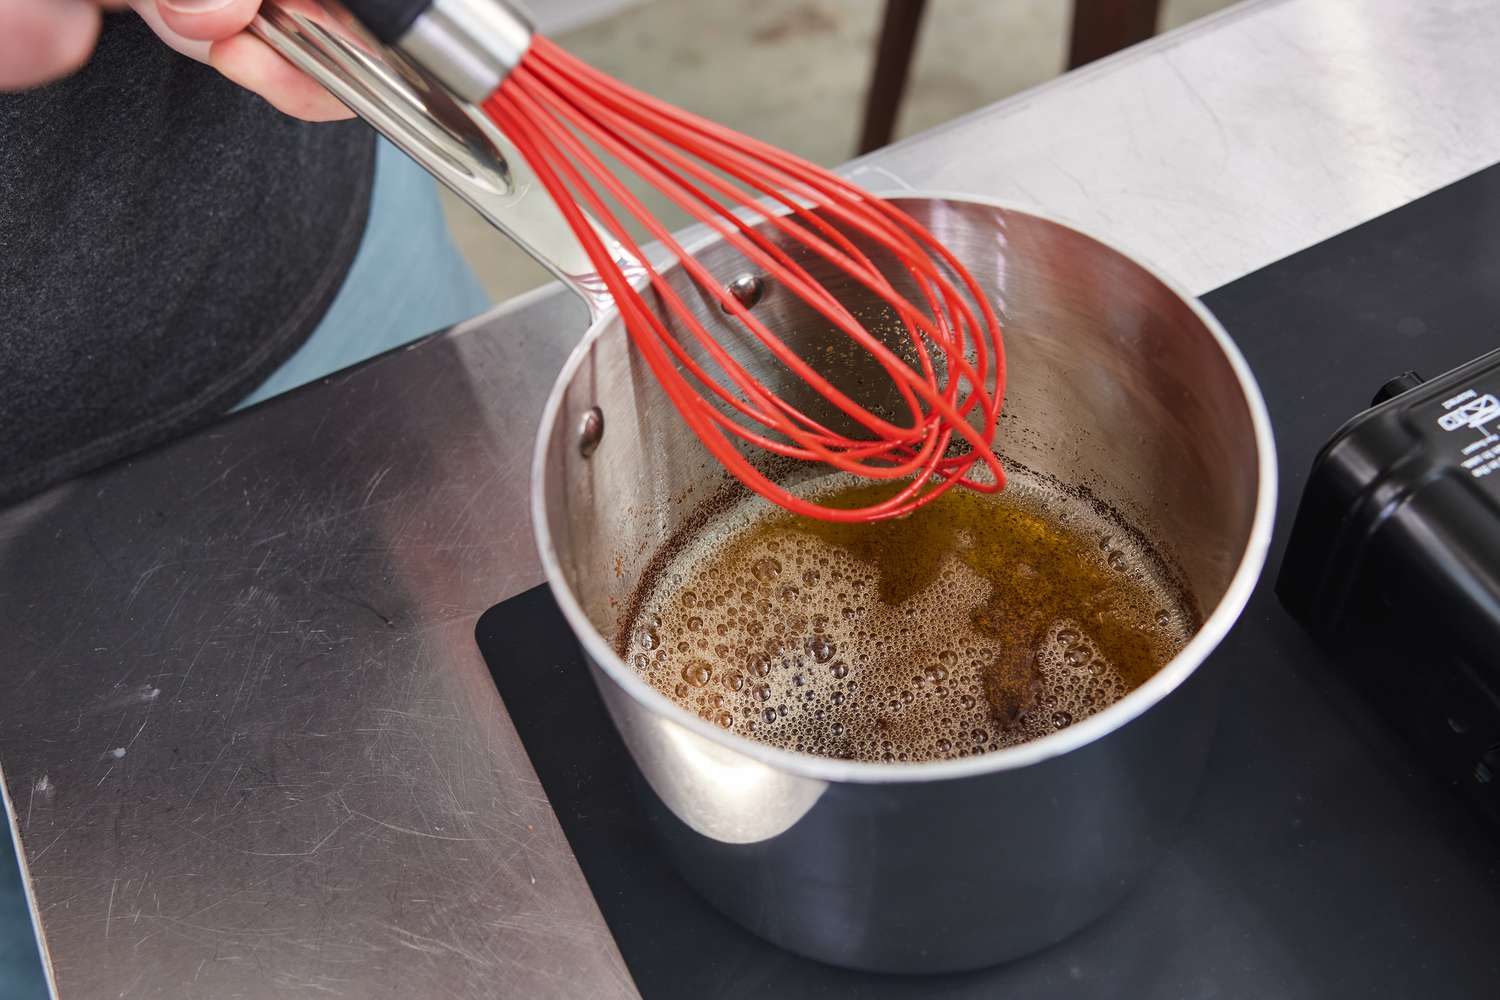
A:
(206, 20)
(192, 48)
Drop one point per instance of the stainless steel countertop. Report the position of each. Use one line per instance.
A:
(249, 744)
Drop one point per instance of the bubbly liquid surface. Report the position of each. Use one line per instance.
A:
(978, 622)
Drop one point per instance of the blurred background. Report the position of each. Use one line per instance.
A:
(800, 71)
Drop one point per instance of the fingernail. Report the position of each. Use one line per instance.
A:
(195, 6)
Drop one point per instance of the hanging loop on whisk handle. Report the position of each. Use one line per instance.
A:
(469, 45)
(450, 137)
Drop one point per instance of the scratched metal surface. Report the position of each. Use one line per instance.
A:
(1244, 137)
(251, 747)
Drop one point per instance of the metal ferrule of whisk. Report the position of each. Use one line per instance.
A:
(470, 46)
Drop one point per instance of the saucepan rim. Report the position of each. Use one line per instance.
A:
(1167, 679)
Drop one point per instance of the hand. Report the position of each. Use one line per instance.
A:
(43, 40)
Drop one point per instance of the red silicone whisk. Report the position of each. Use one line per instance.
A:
(565, 117)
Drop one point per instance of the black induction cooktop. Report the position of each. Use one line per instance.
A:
(1320, 860)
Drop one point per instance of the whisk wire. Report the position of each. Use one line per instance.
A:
(553, 106)
(630, 102)
(815, 294)
(840, 460)
(765, 245)
(700, 333)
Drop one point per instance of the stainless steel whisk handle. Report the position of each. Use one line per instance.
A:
(407, 102)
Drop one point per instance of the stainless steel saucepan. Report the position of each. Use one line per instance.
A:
(1119, 381)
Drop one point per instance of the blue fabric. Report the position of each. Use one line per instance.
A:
(407, 279)
(20, 966)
